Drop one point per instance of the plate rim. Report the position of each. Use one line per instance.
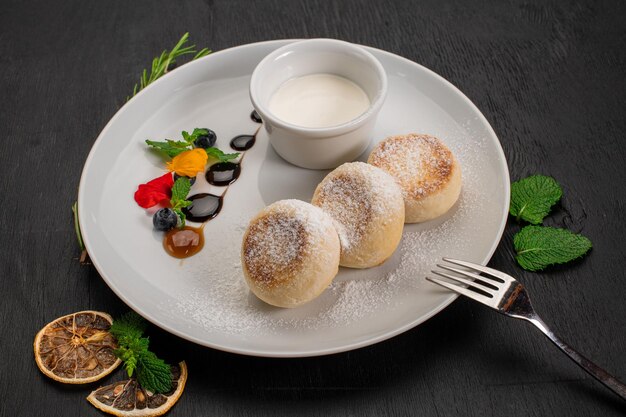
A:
(301, 353)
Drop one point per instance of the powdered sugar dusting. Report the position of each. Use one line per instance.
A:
(222, 302)
(421, 163)
(279, 236)
(353, 194)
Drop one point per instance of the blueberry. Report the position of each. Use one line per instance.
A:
(165, 219)
(192, 180)
(206, 141)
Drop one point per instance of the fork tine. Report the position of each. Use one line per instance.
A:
(477, 279)
(465, 281)
(463, 291)
(494, 274)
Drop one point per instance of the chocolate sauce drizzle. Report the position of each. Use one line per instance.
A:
(203, 207)
(206, 206)
(242, 143)
(223, 173)
(255, 117)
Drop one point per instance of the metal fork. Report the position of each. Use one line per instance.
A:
(506, 295)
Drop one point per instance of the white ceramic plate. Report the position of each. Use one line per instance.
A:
(204, 298)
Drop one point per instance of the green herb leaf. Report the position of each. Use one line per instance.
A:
(181, 216)
(152, 373)
(79, 236)
(161, 63)
(180, 190)
(172, 148)
(532, 198)
(169, 147)
(128, 330)
(197, 132)
(130, 350)
(130, 326)
(538, 247)
(221, 156)
(201, 53)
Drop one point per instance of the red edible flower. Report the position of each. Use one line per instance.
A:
(155, 191)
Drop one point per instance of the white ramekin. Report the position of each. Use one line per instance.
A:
(319, 148)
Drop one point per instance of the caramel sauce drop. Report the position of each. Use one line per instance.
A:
(185, 242)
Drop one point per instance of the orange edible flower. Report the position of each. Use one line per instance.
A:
(188, 163)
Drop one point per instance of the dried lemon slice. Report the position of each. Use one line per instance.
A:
(77, 348)
(129, 399)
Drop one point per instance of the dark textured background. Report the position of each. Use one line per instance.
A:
(550, 78)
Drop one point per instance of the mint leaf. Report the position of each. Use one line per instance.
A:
(532, 198)
(129, 359)
(153, 373)
(198, 131)
(190, 139)
(538, 247)
(180, 189)
(221, 156)
(130, 351)
(169, 147)
(129, 326)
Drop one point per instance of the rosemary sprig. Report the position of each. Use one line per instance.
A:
(84, 257)
(161, 63)
(79, 237)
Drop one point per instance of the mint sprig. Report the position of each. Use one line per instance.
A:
(179, 201)
(152, 373)
(538, 247)
(172, 148)
(533, 197)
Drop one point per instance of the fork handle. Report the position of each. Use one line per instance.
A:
(592, 369)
